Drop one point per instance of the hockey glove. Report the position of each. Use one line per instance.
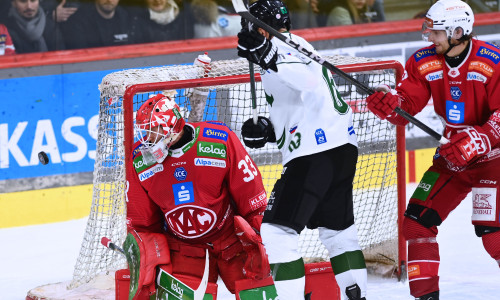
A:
(256, 136)
(465, 145)
(382, 104)
(257, 49)
(257, 265)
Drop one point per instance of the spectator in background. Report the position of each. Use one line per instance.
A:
(31, 30)
(162, 20)
(303, 13)
(60, 10)
(6, 45)
(349, 12)
(212, 20)
(99, 24)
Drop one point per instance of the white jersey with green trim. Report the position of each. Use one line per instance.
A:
(308, 113)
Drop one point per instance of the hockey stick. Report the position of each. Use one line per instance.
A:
(252, 86)
(243, 12)
(167, 281)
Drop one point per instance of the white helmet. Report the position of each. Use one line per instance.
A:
(449, 15)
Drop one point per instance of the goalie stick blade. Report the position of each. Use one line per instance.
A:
(243, 12)
(178, 289)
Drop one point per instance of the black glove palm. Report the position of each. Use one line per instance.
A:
(256, 136)
(257, 49)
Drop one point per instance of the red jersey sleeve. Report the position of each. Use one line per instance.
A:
(414, 91)
(6, 40)
(142, 213)
(245, 183)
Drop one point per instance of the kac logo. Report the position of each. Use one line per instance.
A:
(180, 174)
(456, 93)
(455, 112)
(183, 193)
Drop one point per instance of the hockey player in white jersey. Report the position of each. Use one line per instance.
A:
(312, 126)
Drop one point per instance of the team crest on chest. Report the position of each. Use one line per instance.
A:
(191, 221)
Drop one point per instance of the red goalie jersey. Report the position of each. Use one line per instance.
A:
(196, 191)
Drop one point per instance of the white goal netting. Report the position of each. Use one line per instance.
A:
(229, 101)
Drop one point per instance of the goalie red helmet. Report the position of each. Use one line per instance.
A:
(272, 12)
(449, 15)
(158, 123)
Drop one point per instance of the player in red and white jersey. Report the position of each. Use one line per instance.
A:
(6, 45)
(189, 180)
(461, 75)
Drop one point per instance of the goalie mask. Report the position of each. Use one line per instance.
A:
(272, 12)
(158, 124)
(449, 15)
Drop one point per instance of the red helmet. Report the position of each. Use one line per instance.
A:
(158, 123)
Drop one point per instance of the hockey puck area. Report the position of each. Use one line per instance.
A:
(43, 158)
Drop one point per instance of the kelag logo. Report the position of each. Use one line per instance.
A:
(180, 174)
(455, 112)
(215, 150)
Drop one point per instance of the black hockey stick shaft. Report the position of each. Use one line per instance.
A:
(243, 11)
(109, 244)
(252, 82)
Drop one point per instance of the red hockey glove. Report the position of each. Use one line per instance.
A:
(382, 104)
(257, 265)
(466, 145)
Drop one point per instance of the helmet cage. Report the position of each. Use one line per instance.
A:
(158, 124)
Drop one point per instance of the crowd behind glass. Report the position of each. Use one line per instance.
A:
(28, 26)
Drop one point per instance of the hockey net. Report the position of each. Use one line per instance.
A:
(380, 170)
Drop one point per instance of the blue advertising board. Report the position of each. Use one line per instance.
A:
(57, 114)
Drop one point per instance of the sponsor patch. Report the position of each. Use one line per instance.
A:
(434, 76)
(455, 112)
(431, 66)
(455, 92)
(140, 165)
(136, 151)
(209, 162)
(191, 221)
(320, 136)
(413, 270)
(183, 192)
(492, 55)
(150, 172)
(215, 134)
(215, 150)
(425, 186)
(258, 201)
(180, 174)
(481, 67)
(476, 76)
(484, 204)
(424, 53)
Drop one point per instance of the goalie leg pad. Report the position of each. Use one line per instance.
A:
(423, 257)
(491, 243)
(144, 251)
(250, 289)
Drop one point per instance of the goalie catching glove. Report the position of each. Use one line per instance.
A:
(257, 49)
(257, 135)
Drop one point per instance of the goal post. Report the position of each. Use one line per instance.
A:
(379, 185)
